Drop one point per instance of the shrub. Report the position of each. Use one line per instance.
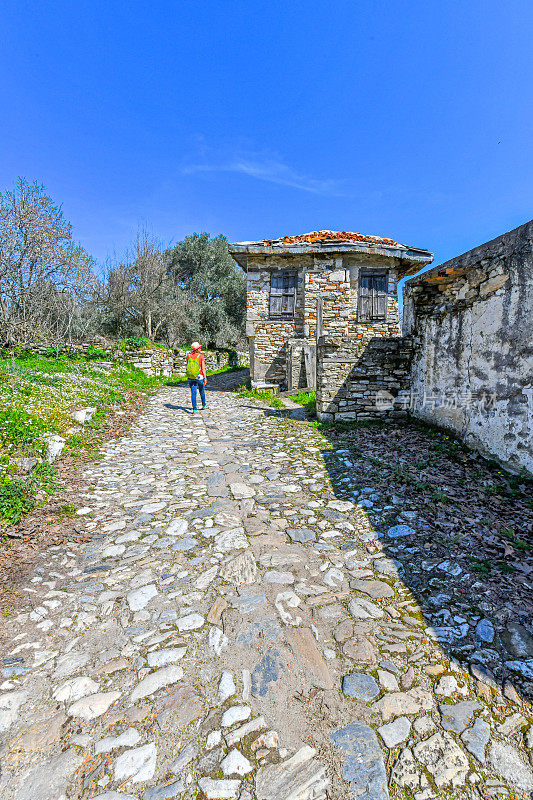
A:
(135, 343)
(95, 353)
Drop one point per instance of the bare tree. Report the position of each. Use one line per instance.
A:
(44, 274)
(139, 294)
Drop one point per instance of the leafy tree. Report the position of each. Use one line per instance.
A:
(202, 268)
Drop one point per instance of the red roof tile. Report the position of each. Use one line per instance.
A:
(333, 236)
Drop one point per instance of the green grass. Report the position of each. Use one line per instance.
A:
(37, 395)
(305, 399)
(481, 566)
(17, 496)
(518, 544)
(264, 395)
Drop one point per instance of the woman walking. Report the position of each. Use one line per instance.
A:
(196, 374)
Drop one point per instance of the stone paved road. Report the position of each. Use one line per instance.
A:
(233, 630)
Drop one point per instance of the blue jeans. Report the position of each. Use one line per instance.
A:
(197, 383)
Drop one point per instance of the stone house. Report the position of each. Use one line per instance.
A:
(307, 290)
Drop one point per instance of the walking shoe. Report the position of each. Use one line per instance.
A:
(204, 406)
(195, 411)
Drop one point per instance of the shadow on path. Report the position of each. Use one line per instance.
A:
(460, 531)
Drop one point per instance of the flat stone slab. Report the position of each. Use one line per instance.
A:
(177, 527)
(49, 780)
(137, 765)
(74, 689)
(300, 777)
(165, 791)
(395, 732)
(9, 707)
(363, 767)
(139, 598)
(508, 762)
(398, 531)
(241, 569)
(94, 705)
(266, 672)
(219, 789)
(231, 540)
(301, 535)
(241, 491)
(360, 686)
(126, 739)
(155, 681)
(456, 716)
(161, 658)
(364, 609)
(444, 759)
(184, 545)
(247, 603)
(476, 739)
(373, 588)
(397, 704)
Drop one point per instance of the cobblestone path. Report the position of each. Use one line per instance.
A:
(234, 630)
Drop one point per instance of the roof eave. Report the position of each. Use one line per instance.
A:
(417, 257)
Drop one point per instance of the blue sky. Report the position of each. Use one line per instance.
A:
(256, 119)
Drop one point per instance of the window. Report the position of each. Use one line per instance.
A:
(373, 296)
(283, 287)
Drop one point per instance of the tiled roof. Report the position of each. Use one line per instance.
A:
(328, 242)
(332, 236)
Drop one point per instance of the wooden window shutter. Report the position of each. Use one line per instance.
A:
(373, 297)
(365, 298)
(283, 287)
(379, 299)
(276, 294)
(289, 292)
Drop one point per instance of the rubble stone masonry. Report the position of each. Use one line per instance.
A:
(326, 306)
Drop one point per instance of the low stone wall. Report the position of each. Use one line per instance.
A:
(152, 362)
(214, 359)
(155, 361)
(360, 378)
(471, 322)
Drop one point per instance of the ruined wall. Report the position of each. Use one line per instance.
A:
(473, 359)
(152, 362)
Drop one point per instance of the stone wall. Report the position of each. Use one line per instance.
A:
(471, 323)
(152, 362)
(358, 363)
(155, 361)
(268, 337)
(362, 377)
(334, 284)
(214, 359)
(326, 304)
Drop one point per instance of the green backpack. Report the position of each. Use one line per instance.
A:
(193, 367)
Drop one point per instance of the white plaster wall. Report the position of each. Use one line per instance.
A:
(485, 347)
